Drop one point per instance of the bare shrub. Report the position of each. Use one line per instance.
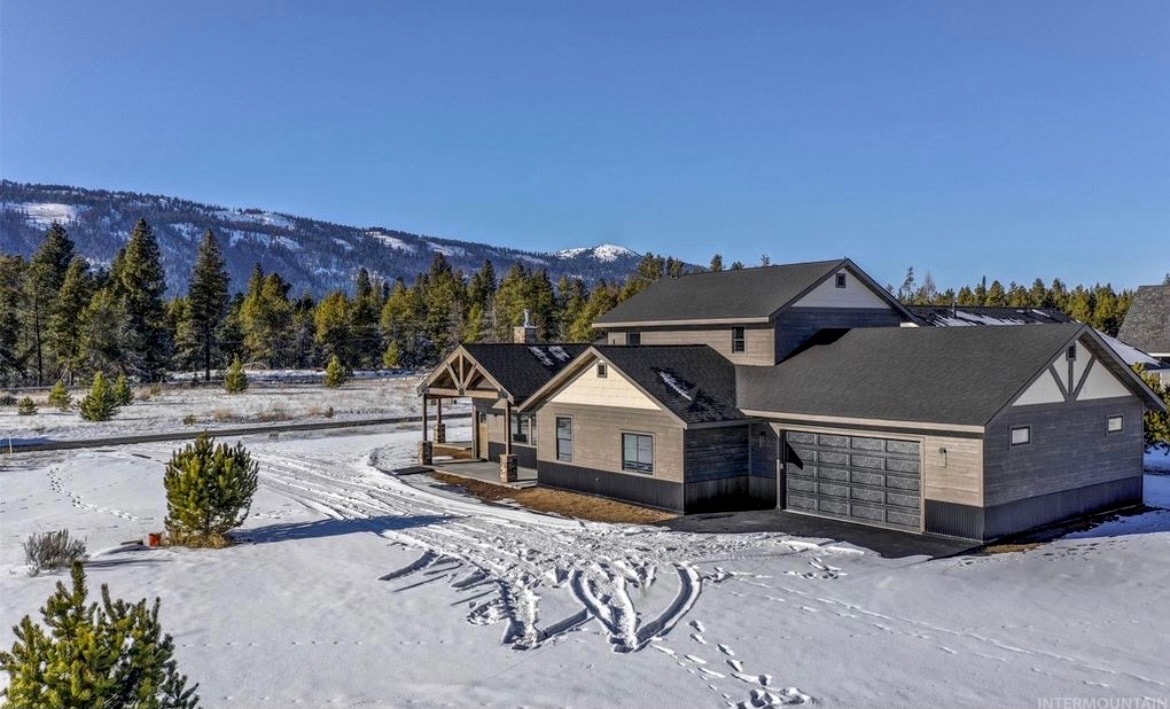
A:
(52, 550)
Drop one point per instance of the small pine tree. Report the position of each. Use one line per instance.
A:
(100, 404)
(1155, 424)
(122, 393)
(392, 357)
(335, 373)
(60, 397)
(235, 379)
(109, 655)
(209, 491)
(26, 407)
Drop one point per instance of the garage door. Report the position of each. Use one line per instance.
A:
(858, 478)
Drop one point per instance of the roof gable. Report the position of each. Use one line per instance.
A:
(749, 294)
(1147, 322)
(516, 369)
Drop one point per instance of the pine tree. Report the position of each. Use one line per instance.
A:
(335, 373)
(43, 280)
(64, 320)
(266, 317)
(207, 294)
(101, 403)
(139, 283)
(187, 355)
(737, 266)
(209, 491)
(104, 331)
(332, 319)
(122, 393)
(716, 263)
(60, 397)
(26, 406)
(392, 357)
(366, 340)
(12, 270)
(112, 655)
(235, 379)
(1155, 424)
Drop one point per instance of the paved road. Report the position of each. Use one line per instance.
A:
(7, 446)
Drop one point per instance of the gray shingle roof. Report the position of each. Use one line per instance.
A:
(695, 382)
(947, 375)
(744, 293)
(520, 368)
(1147, 323)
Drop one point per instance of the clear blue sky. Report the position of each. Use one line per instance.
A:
(1012, 139)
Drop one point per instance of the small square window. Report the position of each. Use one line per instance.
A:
(738, 341)
(1072, 353)
(841, 280)
(602, 371)
(633, 338)
(1021, 435)
(1114, 424)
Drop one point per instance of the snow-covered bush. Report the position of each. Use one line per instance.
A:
(51, 551)
(26, 407)
(209, 491)
(101, 403)
(112, 655)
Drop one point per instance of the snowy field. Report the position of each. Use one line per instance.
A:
(211, 407)
(362, 590)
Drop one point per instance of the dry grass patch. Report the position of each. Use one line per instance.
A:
(561, 502)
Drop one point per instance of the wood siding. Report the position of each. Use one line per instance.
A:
(855, 294)
(959, 478)
(597, 438)
(759, 347)
(1069, 448)
(716, 453)
(613, 390)
(795, 325)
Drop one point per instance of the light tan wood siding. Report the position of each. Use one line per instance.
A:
(612, 390)
(957, 475)
(597, 438)
(759, 340)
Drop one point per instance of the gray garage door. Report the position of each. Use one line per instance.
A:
(858, 478)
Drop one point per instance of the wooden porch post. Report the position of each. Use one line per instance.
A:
(440, 429)
(509, 472)
(425, 450)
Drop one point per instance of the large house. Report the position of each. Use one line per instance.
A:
(1147, 326)
(809, 388)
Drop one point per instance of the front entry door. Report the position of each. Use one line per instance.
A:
(481, 436)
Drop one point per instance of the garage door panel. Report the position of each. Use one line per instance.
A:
(863, 478)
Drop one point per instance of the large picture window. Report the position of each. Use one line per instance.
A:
(564, 438)
(638, 452)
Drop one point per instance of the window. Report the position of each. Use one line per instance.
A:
(524, 429)
(1021, 435)
(633, 338)
(841, 281)
(564, 438)
(1072, 353)
(602, 371)
(737, 339)
(638, 452)
(1114, 424)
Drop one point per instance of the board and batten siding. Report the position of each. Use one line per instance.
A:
(759, 347)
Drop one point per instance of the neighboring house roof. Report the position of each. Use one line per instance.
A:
(520, 369)
(958, 316)
(1147, 323)
(693, 382)
(743, 295)
(944, 375)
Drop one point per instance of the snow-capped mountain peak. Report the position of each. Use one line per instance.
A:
(606, 253)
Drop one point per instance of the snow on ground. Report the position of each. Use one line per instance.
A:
(361, 589)
(213, 408)
(45, 213)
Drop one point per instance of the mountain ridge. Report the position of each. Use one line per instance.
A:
(312, 254)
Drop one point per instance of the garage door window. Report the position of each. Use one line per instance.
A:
(1021, 435)
(637, 453)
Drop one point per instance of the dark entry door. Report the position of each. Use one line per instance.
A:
(864, 479)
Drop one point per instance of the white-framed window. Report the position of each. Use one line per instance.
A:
(638, 452)
(1114, 424)
(564, 438)
(738, 339)
(602, 370)
(1021, 435)
(841, 282)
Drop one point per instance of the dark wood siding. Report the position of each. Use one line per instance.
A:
(638, 489)
(795, 326)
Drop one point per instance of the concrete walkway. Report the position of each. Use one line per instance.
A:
(887, 543)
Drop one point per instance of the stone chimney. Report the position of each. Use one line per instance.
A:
(524, 334)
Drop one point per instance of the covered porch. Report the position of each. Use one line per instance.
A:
(485, 471)
(460, 375)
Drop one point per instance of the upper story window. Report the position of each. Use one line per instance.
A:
(841, 282)
(1021, 435)
(633, 338)
(1071, 354)
(738, 343)
(1114, 424)
(602, 371)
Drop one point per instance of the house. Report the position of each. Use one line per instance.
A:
(963, 316)
(808, 388)
(1147, 326)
